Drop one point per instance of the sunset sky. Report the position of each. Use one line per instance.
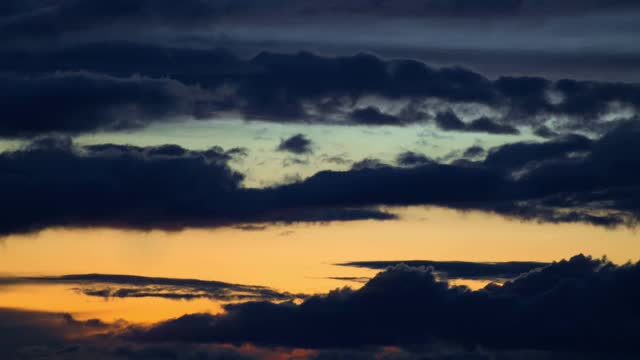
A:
(300, 179)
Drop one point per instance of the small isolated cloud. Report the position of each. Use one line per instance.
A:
(296, 144)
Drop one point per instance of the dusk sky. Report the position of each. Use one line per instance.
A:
(311, 180)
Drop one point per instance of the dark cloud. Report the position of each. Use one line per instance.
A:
(568, 179)
(28, 335)
(558, 181)
(46, 20)
(130, 286)
(410, 158)
(373, 116)
(368, 163)
(296, 144)
(519, 154)
(581, 305)
(337, 159)
(486, 125)
(545, 132)
(460, 269)
(449, 121)
(115, 86)
(53, 182)
(21, 329)
(473, 152)
(83, 102)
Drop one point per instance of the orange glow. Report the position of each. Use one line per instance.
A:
(297, 258)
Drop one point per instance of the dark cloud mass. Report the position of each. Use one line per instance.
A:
(562, 72)
(577, 306)
(118, 86)
(53, 182)
(82, 102)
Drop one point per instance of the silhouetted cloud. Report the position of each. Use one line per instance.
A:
(163, 187)
(449, 121)
(46, 335)
(373, 116)
(297, 144)
(460, 269)
(568, 179)
(131, 286)
(473, 152)
(581, 305)
(22, 332)
(84, 102)
(544, 132)
(116, 86)
(410, 158)
(368, 163)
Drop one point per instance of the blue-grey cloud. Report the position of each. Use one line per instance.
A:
(123, 86)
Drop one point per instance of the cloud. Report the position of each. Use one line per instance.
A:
(473, 152)
(44, 335)
(53, 182)
(544, 132)
(130, 286)
(567, 179)
(580, 305)
(85, 102)
(368, 163)
(20, 330)
(410, 158)
(516, 155)
(119, 86)
(45, 20)
(371, 115)
(449, 121)
(580, 308)
(460, 269)
(296, 144)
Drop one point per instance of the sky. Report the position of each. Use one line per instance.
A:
(308, 180)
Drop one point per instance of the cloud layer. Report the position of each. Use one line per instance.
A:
(117, 86)
(53, 182)
(581, 305)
